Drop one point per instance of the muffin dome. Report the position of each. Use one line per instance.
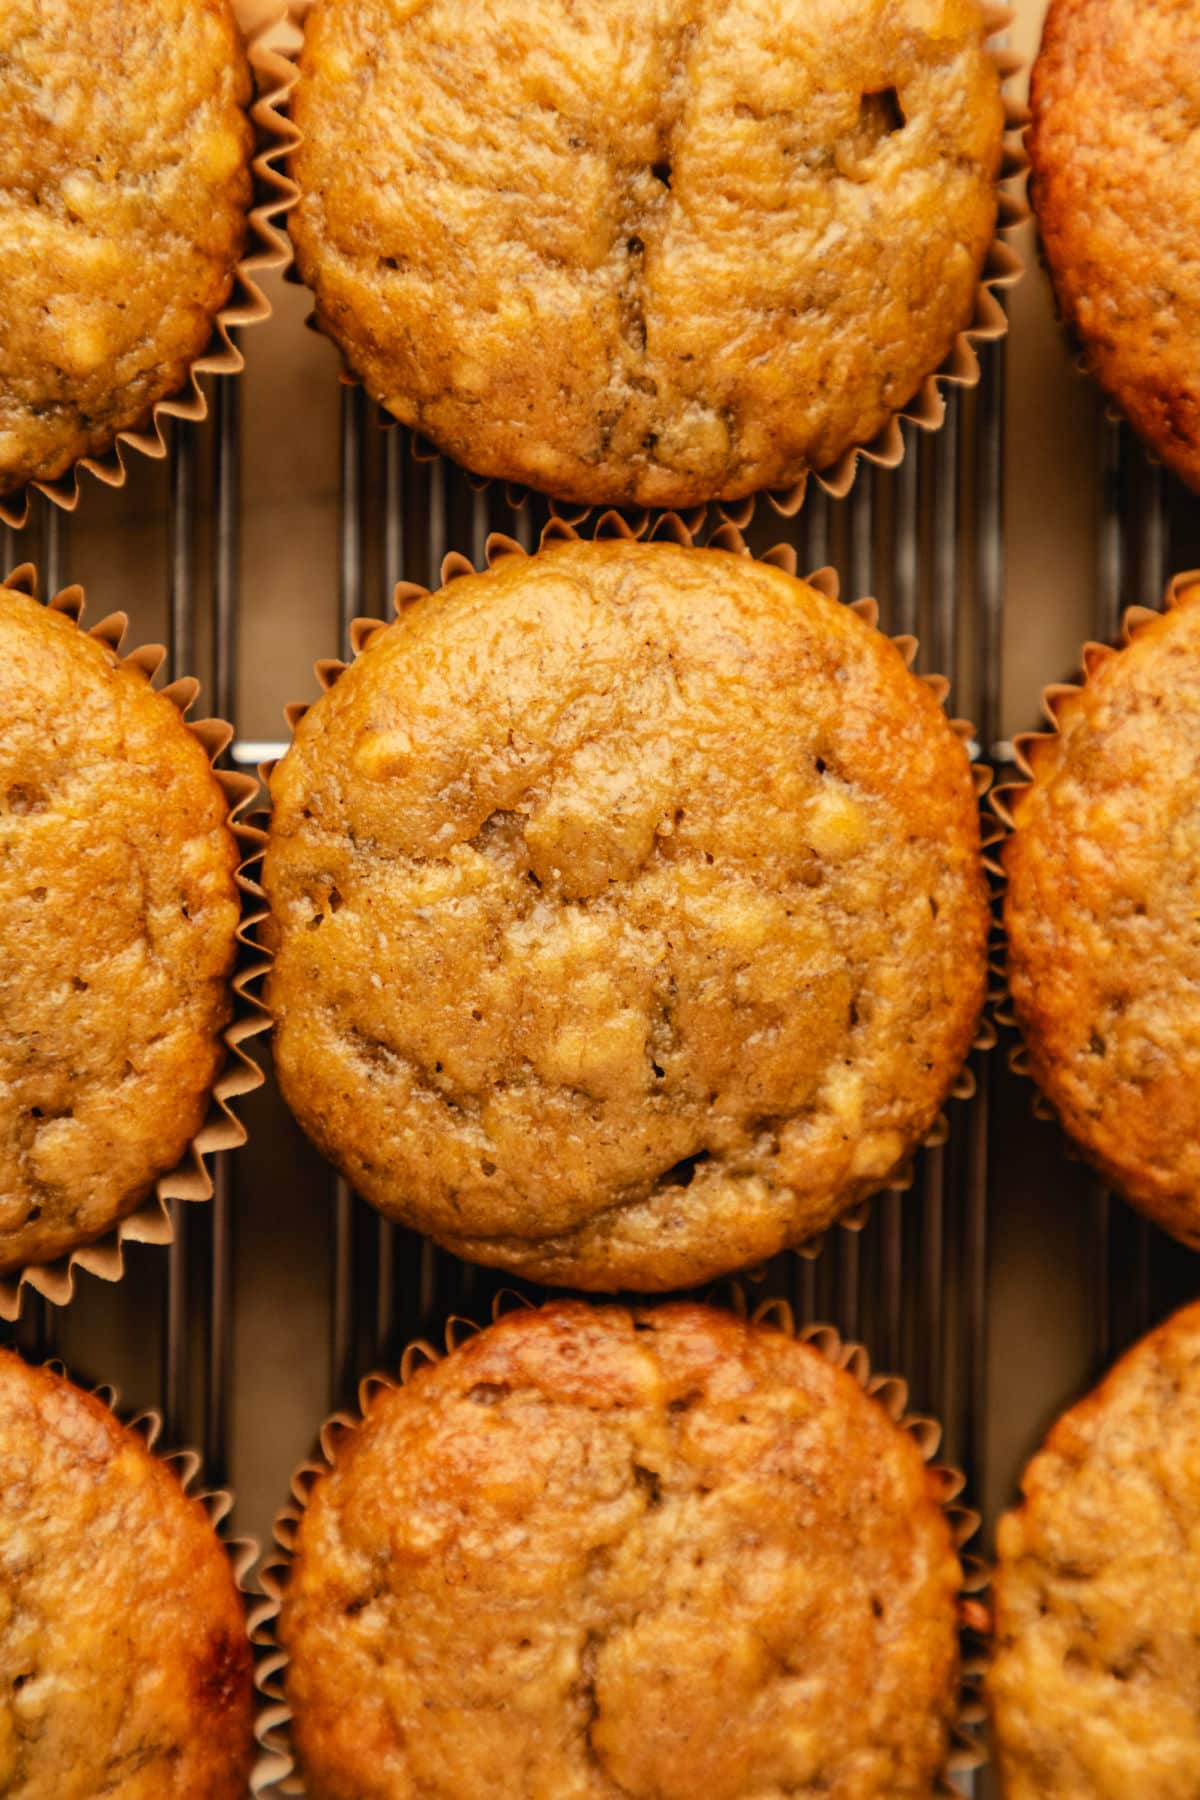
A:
(124, 184)
(118, 913)
(593, 1553)
(1095, 1672)
(1103, 877)
(628, 915)
(125, 1667)
(1116, 186)
(648, 254)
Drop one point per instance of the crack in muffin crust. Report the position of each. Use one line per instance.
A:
(124, 185)
(596, 1553)
(628, 915)
(654, 253)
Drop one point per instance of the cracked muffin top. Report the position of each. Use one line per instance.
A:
(628, 914)
(124, 184)
(1096, 1668)
(125, 1668)
(1103, 954)
(593, 1553)
(118, 913)
(655, 251)
(1115, 153)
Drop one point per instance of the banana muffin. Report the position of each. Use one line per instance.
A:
(628, 914)
(1097, 1662)
(598, 1553)
(125, 1667)
(651, 254)
(1103, 884)
(124, 184)
(1116, 187)
(118, 912)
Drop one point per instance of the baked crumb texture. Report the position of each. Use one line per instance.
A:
(125, 189)
(653, 253)
(628, 914)
(1115, 155)
(1103, 870)
(595, 1553)
(125, 1667)
(1093, 1682)
(119, 910)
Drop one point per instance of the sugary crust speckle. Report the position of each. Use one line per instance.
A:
(597, 1554)
(1103, 952)
(1115, 152)
(628, 914)
(655, 251)
(118, 913)
(125, 1669)
(124, 185)
(1096, 1669)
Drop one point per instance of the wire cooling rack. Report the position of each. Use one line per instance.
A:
(915, 1283)
(926, 539)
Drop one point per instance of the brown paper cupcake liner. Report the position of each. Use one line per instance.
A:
(150, 1223)
(267, 247)
(276, 1771)
(676, 529)
(1033, 753)
(925, 411)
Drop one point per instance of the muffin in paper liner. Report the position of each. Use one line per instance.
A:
(150, 1221)
(1109, 185)
(1091, 1682)
(1034, 753)
(672, 529)
(277, 1772)
(925, 411)
(267, 248)
(185, 1466)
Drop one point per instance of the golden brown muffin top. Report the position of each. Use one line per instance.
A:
(593, 1553)
(118, 913)
(1096, 1671)
(628, 914)
(1116, 185)
(124, 183)
(648, 252)
(125, 1668)
(1103, 954)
